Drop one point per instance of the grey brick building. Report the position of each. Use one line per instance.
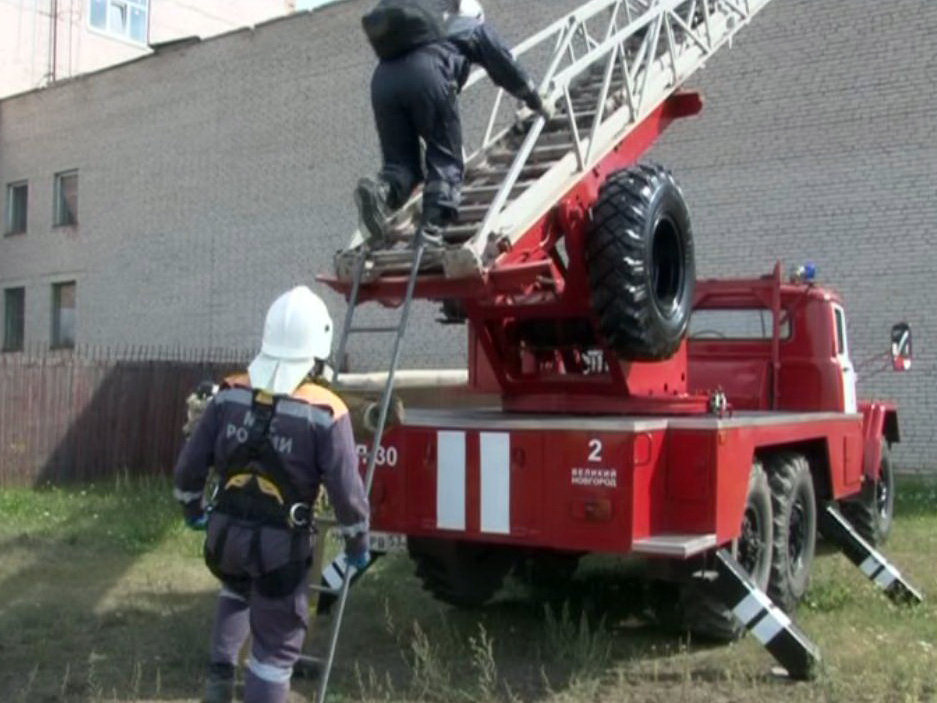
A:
(213, 175)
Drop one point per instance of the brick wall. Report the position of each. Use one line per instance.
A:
(216, 175)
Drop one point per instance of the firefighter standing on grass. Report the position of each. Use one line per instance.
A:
(273, 438)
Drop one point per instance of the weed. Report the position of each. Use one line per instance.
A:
(573, 642)
(372, 687)
(63, 688)
(483, 662)
(30, 682)
(431, 675)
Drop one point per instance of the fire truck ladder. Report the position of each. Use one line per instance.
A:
(612, 63)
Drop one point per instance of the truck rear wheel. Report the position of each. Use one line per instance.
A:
(703, 615)
(639, 255)
(794, 506)
(463, 574)
(873, 511)
(547, 573)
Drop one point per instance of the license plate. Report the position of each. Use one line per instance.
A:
(384, 542)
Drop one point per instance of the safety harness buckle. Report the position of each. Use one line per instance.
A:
(300, 515)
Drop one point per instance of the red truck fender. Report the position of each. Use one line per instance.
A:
(879, 422)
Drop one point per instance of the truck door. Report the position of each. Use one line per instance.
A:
(850, 404)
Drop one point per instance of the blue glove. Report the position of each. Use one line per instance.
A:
(359, 561)
(199, 523)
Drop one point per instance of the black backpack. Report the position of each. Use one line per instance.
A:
(396, 27)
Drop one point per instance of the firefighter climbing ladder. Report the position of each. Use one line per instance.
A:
(611, 64)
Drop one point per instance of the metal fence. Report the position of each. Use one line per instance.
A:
(89, 413)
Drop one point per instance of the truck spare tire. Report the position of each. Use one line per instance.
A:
(640, 260)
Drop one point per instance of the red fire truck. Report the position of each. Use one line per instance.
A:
(613, 403)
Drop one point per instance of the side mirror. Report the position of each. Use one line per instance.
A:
(901, 351)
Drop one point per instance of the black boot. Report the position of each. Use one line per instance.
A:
(453, 312)
(371, 199)
(429, 235)
(219, 684)
(432, 223)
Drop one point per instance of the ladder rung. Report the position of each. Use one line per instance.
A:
(540, 154)
(474, 210)
(483, 189)
(562, 136)
(373, 330)
(582, 117)
(457, 231)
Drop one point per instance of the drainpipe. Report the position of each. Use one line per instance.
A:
(53, 39)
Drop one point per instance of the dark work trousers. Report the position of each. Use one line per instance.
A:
(277, 625)
(416, 96)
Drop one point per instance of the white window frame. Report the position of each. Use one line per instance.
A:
(124, 34)
(841, 342)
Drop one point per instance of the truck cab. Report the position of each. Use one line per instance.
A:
(772, 345)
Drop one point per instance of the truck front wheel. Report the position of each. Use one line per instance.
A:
(872, 512)
(463, 574)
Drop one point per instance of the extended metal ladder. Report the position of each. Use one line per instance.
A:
(340, 593)
(611, 64)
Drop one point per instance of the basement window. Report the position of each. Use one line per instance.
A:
(17, 202)
(125, 19)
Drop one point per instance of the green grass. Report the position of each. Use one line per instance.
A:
(104, 597)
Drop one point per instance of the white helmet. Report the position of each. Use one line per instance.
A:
(297, 332)
(473, 9)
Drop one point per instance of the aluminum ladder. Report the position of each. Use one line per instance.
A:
(349, 329)
(611, 63)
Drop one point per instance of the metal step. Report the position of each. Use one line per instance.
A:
(680, 546)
